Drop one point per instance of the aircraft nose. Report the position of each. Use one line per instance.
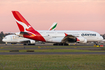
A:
(3, 40)
(101, 37)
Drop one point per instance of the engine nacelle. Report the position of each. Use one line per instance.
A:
(32, 41)
(81, 40)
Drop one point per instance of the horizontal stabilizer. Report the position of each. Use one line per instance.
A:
(25, 33)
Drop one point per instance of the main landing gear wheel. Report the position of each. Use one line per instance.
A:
(60, 44)
(28, 44)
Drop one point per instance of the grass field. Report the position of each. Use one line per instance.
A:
(52, 62)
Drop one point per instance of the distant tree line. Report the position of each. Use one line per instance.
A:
(1, 37)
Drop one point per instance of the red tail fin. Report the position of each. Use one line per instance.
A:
(24, 26)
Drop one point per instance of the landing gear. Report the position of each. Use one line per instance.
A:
(60, 44)
(24, 44)
(6, 43)
(96, 43)
(28, 44)
(31, 44)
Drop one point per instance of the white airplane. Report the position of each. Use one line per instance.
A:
(61, 37)
(15, 38)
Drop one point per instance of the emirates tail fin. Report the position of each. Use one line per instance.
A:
(53, 27)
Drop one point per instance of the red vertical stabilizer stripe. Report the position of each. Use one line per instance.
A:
(19, 17)
(66, 34)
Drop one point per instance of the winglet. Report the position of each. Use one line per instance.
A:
(66, 34)
(78, 39)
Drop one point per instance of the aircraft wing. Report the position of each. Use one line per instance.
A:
(25, 33)
(69, 38)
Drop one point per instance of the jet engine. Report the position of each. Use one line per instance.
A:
(81, 40)
(32, 41)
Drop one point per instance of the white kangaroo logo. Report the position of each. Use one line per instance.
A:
(24, 25)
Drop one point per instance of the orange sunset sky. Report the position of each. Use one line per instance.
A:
(41, 14)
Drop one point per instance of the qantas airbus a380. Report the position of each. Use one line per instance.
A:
(59, 37)
(15, 38)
